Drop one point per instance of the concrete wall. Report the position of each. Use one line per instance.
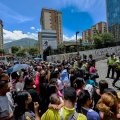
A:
(97, 54)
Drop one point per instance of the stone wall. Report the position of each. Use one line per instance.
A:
(97, 54)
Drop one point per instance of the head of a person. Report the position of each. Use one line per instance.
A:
(51, 68)
(14, 75)
(54, 99)
(79, 83)
(90, 56)
(108, 104)
(43, 77)
(112, 55)
(60, 67)
(110, 90)
(57, 74)
(72, 71)
(4, 84)
(19, 78)
(51, 89)
(102, 85)
(84, 100)
(22, 99)
(29, 82)
(39, 68)
(70, 95)
(1, 71)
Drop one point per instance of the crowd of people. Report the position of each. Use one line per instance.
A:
(66, 90)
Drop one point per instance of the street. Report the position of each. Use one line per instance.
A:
(102, 71)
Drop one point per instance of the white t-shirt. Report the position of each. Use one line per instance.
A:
(19, 86)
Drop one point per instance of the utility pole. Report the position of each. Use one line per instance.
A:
(76, 39)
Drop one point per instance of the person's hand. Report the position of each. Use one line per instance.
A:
(53, 106)
(36, 105)
(59, 107)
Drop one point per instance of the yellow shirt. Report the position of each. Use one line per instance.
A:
(68, 112)
(52, 114)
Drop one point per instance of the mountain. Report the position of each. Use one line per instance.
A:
(25, 42)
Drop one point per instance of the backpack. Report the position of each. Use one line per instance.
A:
(73, 116)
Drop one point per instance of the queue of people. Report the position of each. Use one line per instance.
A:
(66, 90)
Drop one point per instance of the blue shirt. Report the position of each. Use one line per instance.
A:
(90, 114)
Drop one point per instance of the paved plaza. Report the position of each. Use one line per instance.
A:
(102, 71)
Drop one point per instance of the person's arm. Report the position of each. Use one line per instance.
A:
(8, 117)
(36, 106)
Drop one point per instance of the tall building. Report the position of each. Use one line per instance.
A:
(87, 35)
(52, 20)
(1, 34)
(113, 18)
(100, 27)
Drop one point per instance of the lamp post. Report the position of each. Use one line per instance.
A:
(76, 39)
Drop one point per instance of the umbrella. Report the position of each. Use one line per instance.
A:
(17, 67)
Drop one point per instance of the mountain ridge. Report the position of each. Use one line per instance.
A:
(24, 42)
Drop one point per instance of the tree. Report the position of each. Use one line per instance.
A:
(97, 41)
(2, 51)
(15, 49)
(33, 51)
(108, 39)
(61, 48)
(21, 53)
(72, 48)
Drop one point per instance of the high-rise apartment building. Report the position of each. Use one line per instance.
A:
(87, 35)
(100, 27)
(113, 18)
(52, 20)
(1, 34)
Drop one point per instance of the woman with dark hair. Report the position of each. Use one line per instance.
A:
(29, 86)
(99, 91)
(84, 105)
(22, 112)
(79, 85)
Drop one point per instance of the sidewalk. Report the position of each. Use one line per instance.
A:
(102, 71)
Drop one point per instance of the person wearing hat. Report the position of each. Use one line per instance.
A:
(6, 112)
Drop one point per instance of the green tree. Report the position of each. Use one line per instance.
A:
(15, 49)
(108, 39)
(61, 48)
(21, 53)
(97, 41)
(72, 48)
(33, 51)
(2, 51)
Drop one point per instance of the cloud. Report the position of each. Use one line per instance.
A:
(10, 36)
(32, 28)
(11, 15)
(72, 38)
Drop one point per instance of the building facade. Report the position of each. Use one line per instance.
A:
(113, 18)
(47, 38)
(87, 35)
(1, 34)
(52, 20)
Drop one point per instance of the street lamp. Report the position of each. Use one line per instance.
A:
(76, 39)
